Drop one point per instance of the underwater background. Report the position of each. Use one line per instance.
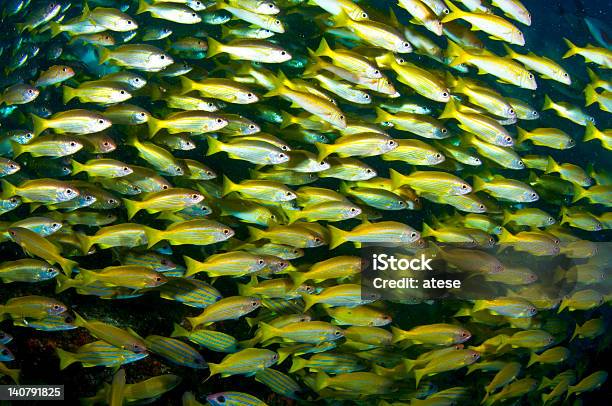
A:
(29, 52)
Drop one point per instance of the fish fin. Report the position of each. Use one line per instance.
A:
(336, 236)
(132, 207)
(255, 234)
(66, 358)
(455, 13)
(228, 186)
(548, 103)
(418, 375)
(63, 283)
(267, 331)
(309, 301)
(533, 358)
(187, 84)
(381, 115)
(396, 179)
(450, 110)
(143, 6)
(397, 334)
(297, 364)
(576, 332)
(214, 370)
(507, 217)
(214, 47)
(323, 49)
(522, 135)
(56, 29)
(591, 132)
(316, 64)
(154, 125)
(552, 166)
(592, 76)
(104, 55)
(79, 320)
(573, 49)
(293, 215)
(153, 236)
(590, 95)
(298, 278)
(478, 183)
(341, 19)
(510, 52)
(214, 146)
(39, 124)
(68, 94)
(77, 167)
(287, 119)
(427, 231)
(324, 150)
(85, 241)
(278, 82)
(192, 266)
(505, 236)
(321, 381)
(18, 149)
(67, 265)
(579, 193)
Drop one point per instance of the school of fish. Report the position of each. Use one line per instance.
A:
(232, 156)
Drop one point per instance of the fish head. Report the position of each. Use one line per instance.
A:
(336, 333)
(382, 320)
(461, 188)
(435, 158)
(100, 123)
(530, 196)
(275, 25)
(403, 47)
(517, 37)
(440, 132)
(6, 354)
(527, 81)
(357, 14)
(157, 279)
(49, 272)
(434, 25)
(350, 212)
(462, 335)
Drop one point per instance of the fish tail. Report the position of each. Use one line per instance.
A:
(287, 120)
(573, 49)
(591, 132)
(283, 354)
(104, 55)
(313, 66)
(418, 375)
(507, 217)
(68, 93)
(192, 266)
(85, 241)
(179, 331)
(293, 215)
(509, 51)
(297, 364)
(76, 167)
(505, 236)
(323, 49)
(194, 321)
(576, 332)
(214, 146)
(187, 84)
(427, 231)
(255, 233)
(13, 374)
(336, 236)
(56, 29)
(321, 381)
(228, 186)
(455, 13)
(590, 95)
(459, 54)
(143, 7)
(298, 278)
(552, 166)
(548, 103)
(63, 283)
(533, 358)
(579, 193)
(214, 369)
(324, 150)
(88, 276)
(341, 19)
(18, 149)
(309, 301)
(79, 320)
(21, 27)
(397, 335)
(267, 331)
(67, 265)
(397, 179)
(66, 358)
(478, 183)
(450, 110)
(592, 76)
(381, 115)
(153, 236)
(155, 124)
(278, 82)
(132, 207)
(522, 135)
(214, 47)
(39, 124)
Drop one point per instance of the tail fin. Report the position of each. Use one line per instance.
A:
(548, 103)
(8, 189)
(478, 183)
(419, 373)
(309, 301)
(132, 207)
(56, 29)
(69, 93)
(336, 237)
(381, 115)
(576, 332)
(460, 55)
(592, 77)
(505, 236)
(104, 56)
(341, 19)
(510, 52)
(450, 110)
(67, 265)
(192, 266)
(297, 364)
(455, 13)
(214, 146)
(324, 49)
(533, 358)
(18, 149)
(187, 85)
(66, 358)
(590, 95)
(579, 193)
(143, 6)
(267, 331)
(397, 179)
(287, 119)
(153, 236)
(179, 331)
(85, 241)
(214, 47)
(573, 49)
(321, 379)
(591, 132)
(324, 150)
(398, 334)
(154, 125)
(552, 166)
(522, 135)
(39, 123)
(228, 186)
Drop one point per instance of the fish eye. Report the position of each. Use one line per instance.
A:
(129, 22)
(446, 11)
(69, 191)
(55, 225)
(221, 399)
(158, 279)
(162, 56)
(534, 113)
(534, 195)
(405, 44)
(165, 187)
(481, 206)
(391, 142)
(252, 126)
(12, 166)
(13, 200)
(106, 143)
(337, 333)
(249, 95)
(368, 170)
(521, 164)
(100, 121)
(193, 14)
(511, 111)
(341, 117)
(56, 307)
(317, 239)
(136, 80)
(530, 76)
(64, 69)
(565, 74)
(12, 233)
(125, 169)
(226, 231)
(353, 210)
(261, 262)
(281, 155)
(73, 144)
(438, 156)
(401, 202)
(463, 187)
(413, 234)
(443, 130)
(254, 303)
(366, 96)
(277, 22)
(444, 94)
(122, 91)
(194, 196)
(283, 53)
